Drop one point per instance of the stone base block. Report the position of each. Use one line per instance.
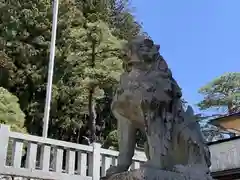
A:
(156, 174)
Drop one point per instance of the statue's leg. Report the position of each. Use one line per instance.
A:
(126, 142)
(156, 146)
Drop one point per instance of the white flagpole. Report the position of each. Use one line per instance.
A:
(50, 70)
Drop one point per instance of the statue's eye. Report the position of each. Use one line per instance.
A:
(148, 43)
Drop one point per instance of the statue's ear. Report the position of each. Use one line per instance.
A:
(148, 43)
(190, 111)
(158, 47)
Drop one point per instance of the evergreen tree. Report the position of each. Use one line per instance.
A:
(223, 93)
(96, 65)
(10, 112)
(83, 75)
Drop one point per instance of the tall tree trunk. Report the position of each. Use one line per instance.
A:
(92, 115)
(91, 104)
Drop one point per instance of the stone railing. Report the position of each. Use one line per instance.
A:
(34, 157)
(53, 159)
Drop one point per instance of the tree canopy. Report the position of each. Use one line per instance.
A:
(10, 112)
(223, 93)
(87, 62)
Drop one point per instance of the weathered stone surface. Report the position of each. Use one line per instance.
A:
(156, 174)
(149, 98)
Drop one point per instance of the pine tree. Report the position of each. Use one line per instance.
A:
(222, 93)
(96, 64)
(25, 34)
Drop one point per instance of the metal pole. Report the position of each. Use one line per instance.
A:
(50, 70)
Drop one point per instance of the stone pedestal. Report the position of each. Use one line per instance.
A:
(155, 174)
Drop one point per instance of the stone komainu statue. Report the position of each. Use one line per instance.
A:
(148, 98)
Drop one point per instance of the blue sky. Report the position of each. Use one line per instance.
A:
(200, 39)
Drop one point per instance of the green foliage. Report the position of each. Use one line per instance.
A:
(10, 112)
(111, 141)
(126, 27)
(25, 37)
(25, 34)
(107, 65)
(96, 63)
(222, 93)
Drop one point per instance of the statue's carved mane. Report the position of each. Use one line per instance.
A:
(142, 52)
(148, 98)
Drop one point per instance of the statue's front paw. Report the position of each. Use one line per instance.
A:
(115, 169)
(152, 164)
(191, 169)
(111, 170)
